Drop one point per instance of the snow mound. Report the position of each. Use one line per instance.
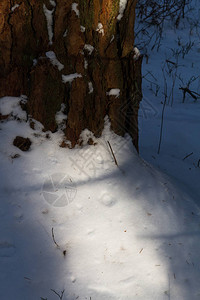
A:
(126, 233)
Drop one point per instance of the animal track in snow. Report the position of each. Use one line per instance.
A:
(107, 200)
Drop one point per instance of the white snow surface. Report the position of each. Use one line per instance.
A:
(127, 232)
(73, 221)
(180, 147)
(11, 106)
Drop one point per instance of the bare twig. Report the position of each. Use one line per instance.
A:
(59, 295)
(64, 252)
(191, 93)
(171, 62)
(154, 13)
(187, 155)
(112, 153)
(53, 237)
(163, 110)
(27, 278)
(198, 164)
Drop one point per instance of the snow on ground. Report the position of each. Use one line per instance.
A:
(71, 221)
(121, 233)
(181, 127)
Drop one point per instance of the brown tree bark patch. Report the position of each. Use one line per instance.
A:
(93, 43)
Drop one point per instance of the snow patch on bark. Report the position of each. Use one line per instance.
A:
(53, 3)
(75, 9)
(112, 38)
(65, 33)
(70, 77)
(89, 48)
(49, 17)
(82, 29)
(14, 7)
(136, 53)
(122, 6)
(85, 136)
(55, 62)
(85, 63)
(114, 92)
(90, 86)
(100, 28)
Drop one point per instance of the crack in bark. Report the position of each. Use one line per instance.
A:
(32, 16)
(11, 31)
(119, 47)
(53, 21)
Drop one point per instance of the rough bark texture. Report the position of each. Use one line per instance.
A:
(110, 65)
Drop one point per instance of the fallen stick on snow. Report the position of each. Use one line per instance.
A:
(112, 153)
(53, 237)
(187, 155)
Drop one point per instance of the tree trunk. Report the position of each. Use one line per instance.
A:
(93, 43)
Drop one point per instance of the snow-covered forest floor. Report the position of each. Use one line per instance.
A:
(74, 225)
(171, 62)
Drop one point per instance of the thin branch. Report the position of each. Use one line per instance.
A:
(59, 295)
(187, 155)
(191, 93)
(53, 237)
(163, 110)
(171, 62)
(198, 164)
(112, 153)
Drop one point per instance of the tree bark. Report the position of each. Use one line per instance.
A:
(91, 41)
